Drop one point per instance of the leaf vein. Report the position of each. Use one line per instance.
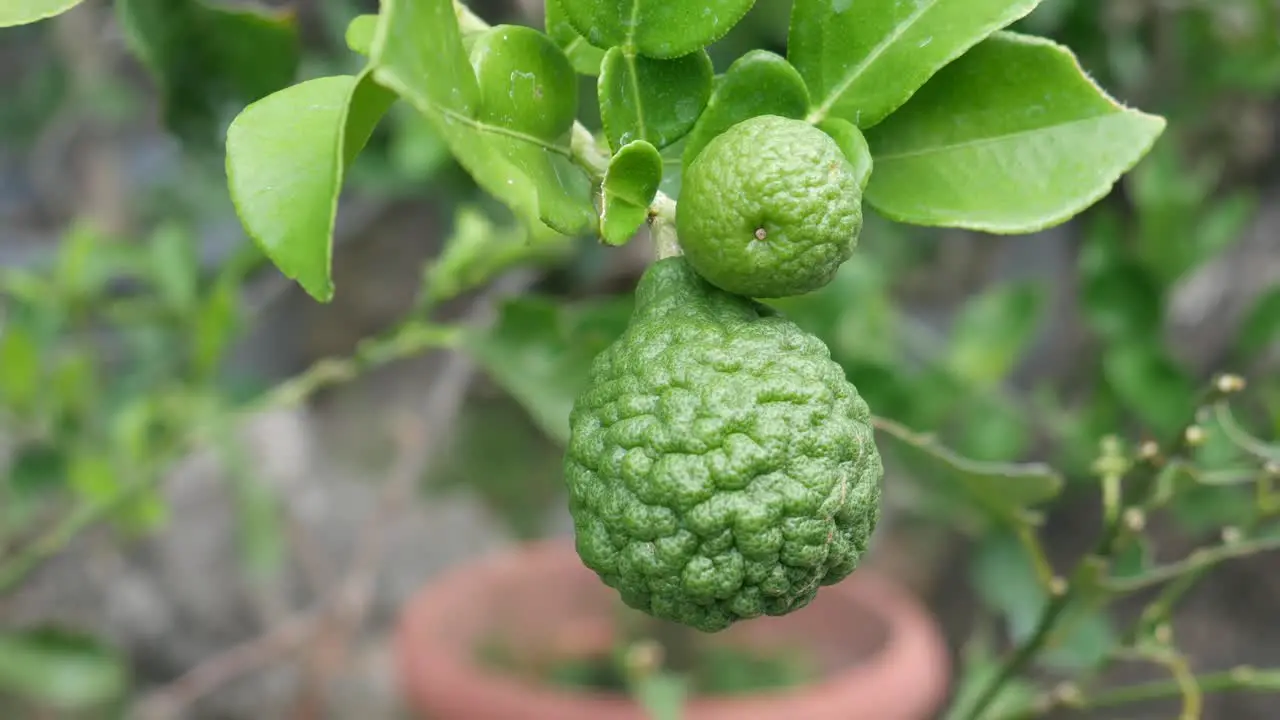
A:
(978, 142)
(880, 49)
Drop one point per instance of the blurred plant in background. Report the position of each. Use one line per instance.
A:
(112, 354)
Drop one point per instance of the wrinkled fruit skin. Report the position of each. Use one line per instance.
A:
(770, 208)
(720, 466)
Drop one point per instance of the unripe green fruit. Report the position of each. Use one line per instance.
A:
(770, 208)
(526, 82)
(720, 466)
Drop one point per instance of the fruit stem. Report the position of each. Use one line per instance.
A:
(662, 227)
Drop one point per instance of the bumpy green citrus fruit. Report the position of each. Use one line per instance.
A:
(770, 208)
(720, 466)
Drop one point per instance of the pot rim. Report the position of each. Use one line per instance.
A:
(912, 639)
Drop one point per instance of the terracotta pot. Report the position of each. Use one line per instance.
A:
(881, 654)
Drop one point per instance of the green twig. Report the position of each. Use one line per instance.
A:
(1195, 563)
(44, 547)
(403, 342)
(1141, 491)
(1241, 678)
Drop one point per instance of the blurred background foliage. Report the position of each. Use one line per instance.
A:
(115, 334)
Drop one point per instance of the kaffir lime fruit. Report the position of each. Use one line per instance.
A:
(720, 466)
(770, 208)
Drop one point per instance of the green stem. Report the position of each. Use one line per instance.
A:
(1241, 678)
(43, 548)
(662, 227)
(405, 341)
(409, 339)
(1195, 564)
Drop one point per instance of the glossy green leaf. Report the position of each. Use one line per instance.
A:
(1261, 327)
(540, 352)
(653, 100)
(1001, 491)
(530, 175)
(758, 83)
(360, 31)
(209, 57)
(853, 143)
(654, 28)
(586, 58)
(61, 669)
(993, 331)
(526, 83)
(528, 86)
(630, 184)
(24, 12)
(286, 158)
(1011, 138)
(863, 60)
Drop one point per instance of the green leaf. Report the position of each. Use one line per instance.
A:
(980, 669)
(92, 475)
(863, 60)
(1261, 327)
(586, 58)
(61, 669)
(758, 83)
(541, 351)
(37, 468)
(208, 57)
(175, 267)
(655, 28)
(853, 143)
(993, 331)
(528, 86)
(286, 158)
(217, 320)
(25, 12)
(526, 83)
(1011, 138)
(436, 77)
(478, 250)
(19, 367)
(1151, 385)
(992, 430)
(654, 100)
(1005, 577)
(630, 184)
(662, 695)
(360, 32)
(1000, 491)
(1122, 301)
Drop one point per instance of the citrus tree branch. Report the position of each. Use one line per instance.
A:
(1141, 477)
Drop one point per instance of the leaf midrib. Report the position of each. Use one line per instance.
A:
(858, 70)
(977, 142)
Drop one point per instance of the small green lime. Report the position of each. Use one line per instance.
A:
(770, 208)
